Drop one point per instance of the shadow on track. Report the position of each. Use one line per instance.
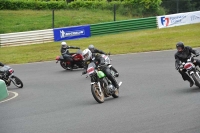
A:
(10, 88)
(189, 90)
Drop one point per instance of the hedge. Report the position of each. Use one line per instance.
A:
(125, 7)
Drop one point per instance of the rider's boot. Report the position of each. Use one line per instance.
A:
(191, 82)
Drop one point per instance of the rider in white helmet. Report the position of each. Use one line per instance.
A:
(65, 52)
(98, 60)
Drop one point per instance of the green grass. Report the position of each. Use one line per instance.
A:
(26, 20)
(126, 42)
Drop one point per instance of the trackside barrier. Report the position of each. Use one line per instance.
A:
(3, 90)
(74, 32)
(29, 37)
(178, 19)
(125, 25)
(44, 36)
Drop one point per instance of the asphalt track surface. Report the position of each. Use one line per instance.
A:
(153, 99)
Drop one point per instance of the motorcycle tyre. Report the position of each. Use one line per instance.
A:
(94, 91)
(16, 79)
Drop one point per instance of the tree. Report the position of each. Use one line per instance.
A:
(174, 6)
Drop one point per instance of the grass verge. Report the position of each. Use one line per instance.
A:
(126, 42)
(27, 20)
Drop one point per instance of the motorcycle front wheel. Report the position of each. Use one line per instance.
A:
(17, 82)
(98, 96)
(196, 79)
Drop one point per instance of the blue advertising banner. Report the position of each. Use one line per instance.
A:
(68, 33)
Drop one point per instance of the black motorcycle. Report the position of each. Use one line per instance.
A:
(8, 76)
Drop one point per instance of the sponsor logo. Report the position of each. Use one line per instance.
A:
(194, 17)
(166, 21)
(64, 34)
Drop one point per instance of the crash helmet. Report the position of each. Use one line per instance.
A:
(91, 47)
(180, 46)
(63, 44)
(87, 54)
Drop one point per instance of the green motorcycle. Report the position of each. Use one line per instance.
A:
(101, 86)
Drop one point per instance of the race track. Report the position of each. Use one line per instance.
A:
(153, 99)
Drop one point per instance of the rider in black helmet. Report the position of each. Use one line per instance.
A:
(94, 50)
(183, 53)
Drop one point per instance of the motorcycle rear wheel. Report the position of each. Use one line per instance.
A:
(17, 82)
(63, 65)
(196, 79)
(98, 96)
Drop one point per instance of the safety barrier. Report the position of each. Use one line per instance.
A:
(24, 38)
(178, 19)
(43, 36)
(3, 90)
(125, 25)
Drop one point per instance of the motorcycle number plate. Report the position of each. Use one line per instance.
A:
(90, 70)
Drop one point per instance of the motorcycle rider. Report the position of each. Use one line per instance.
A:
(1, 64)
(94, 50)
(98, 60)
(183, 53)
(65, 52)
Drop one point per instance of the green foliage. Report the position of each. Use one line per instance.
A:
(125, 7)
(174, 6)
(34, 5)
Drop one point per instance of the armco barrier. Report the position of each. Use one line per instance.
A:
(125, 25)
(24, 38)
(3, 90)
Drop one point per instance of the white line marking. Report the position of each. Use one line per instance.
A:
(15, 95)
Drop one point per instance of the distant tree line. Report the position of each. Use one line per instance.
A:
(138, 8)
(178, 6)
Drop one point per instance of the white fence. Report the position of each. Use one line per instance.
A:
(25, 38)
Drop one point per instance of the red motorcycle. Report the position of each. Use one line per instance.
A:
(77, 61)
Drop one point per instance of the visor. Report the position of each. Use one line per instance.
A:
(86, 55)
(179, 49)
